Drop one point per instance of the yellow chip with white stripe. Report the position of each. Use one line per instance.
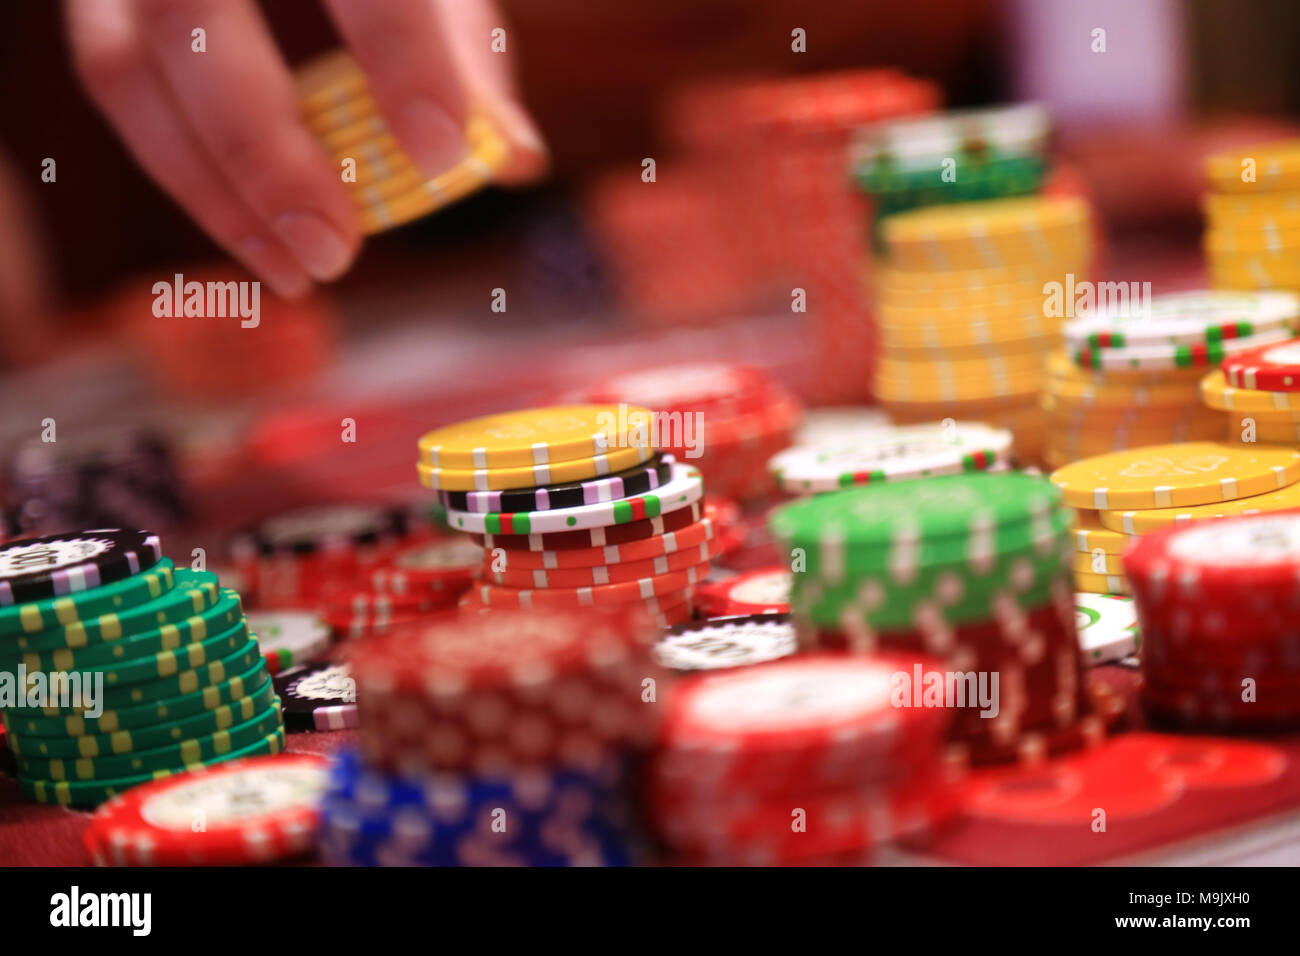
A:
(1176, 475)
(1153, 519)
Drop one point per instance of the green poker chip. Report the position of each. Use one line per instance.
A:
(214, 619)
(74, 723)
(895, 526)
(173, 756)
(194, 592)
(59, 612)
(212, 671)
(146, 738)
(90, 793)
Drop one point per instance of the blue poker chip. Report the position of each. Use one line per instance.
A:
(564, 818)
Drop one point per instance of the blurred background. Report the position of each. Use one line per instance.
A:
(753, 198)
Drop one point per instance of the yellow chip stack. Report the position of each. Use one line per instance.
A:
(1252, 238)
(965, 322)
(1126, 493)
(1253, 415)
(388, 189)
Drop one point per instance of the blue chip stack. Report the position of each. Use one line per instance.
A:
(534, 818)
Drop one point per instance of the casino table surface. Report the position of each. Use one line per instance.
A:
(1208, 802)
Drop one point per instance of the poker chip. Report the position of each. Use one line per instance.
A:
(1186, 319)
(1276, 166)
(1088, 582)
(1090, 535)
(599, 537)
(688, 538)
(260, 810)
(600, 574)
(493, 691)
(765, 591)
(733, 642)
(493, 595)
(287, 638)
(975, 136)
(1108, 628)
(633, 481)
(318, 697)
(684, 488)
(443, 565)
(549, 473)
(324, 529)
(1217, 393)
(1151, 519)
(899, 452)
(32, 569)
(1200, 355)
(1164, 476)
(1098, 562)
(554, 818)
(535, 436)
(1271, 368)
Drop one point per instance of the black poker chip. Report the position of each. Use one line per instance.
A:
(636, 480)
(320, 696)
(321, 529)
(56, 565)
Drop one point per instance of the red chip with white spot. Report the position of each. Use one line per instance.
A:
(497, 690)
(259, 810)
(765, 591)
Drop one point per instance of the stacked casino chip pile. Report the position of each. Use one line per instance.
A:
(1253, 217)
(963, 309)
(574, 507)
(364, 568)
(257, 810)
(1128, 493)
(973, 569)
(495, 739)
(388, 189)
(1259, 392)
(162, 671)
(890, 453)
(1217, 603)
(961, 156)
(724, 419)
(806, 760)
(1128, 375)
(775, 149)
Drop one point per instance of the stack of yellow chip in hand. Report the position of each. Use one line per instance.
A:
(1127, 493)
(387, 187)
(1252, 239)
(966, 322)
(1130, 371)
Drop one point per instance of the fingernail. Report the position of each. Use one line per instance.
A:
(434, 141)
(315, 243)
(285, 279)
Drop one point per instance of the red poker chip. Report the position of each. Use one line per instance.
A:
(645, 549)
(258, 810)
(1219, 561)
(1269, 368)
(687, 386)
(584, 577)
(1200, 710)
(825, 719)
(595, 537)
(495, 595)
(440, 564)
(1033, 745)
(765, 591)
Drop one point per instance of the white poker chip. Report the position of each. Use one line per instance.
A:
(288, 637)
(821, 425)
(1187, 318)
(900, 451)
(727, 642)
(1138, 357)
(1107, 625)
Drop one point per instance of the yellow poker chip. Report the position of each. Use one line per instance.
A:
(1287, 433)
(328, 81)
(1019, 283)
(1100, 583)
(1264, 168)
(1153, 519)
(1011, 366)
(998, 233)
(1237, 207)
(1176, 475)
(368, 129)
(1091, 535)
(538, 436)
(1097, 562)
(1217, 393)
(553, 473)
(1266, 241)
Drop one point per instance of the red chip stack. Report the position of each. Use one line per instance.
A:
(804, 760)
(506, 691)
(1217, 603)
(744, 417)
(780, 149)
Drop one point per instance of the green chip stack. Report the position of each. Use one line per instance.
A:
(175, 677)
(972, 568)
